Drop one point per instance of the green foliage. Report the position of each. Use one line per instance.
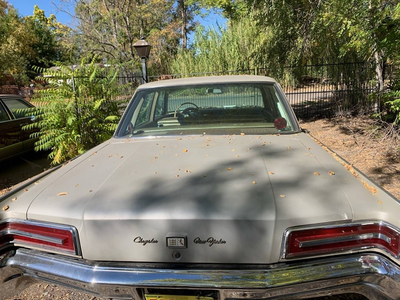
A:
(78, 110)
(51, 45)
(232, 9)
(353, 30)
(27, 41)
(239, 47)
(14, 38)
(109, 28)
(391, 107)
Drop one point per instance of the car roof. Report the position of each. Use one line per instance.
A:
(207, 80)
(14, 96)
(10, 96)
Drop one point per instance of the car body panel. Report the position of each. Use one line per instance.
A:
(193, 193)
(367, 199)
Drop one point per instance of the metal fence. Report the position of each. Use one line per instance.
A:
(313, 90)
(331, 89)
(320, 89)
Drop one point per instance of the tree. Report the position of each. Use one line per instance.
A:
(28, 41)
(14, 40)
(109, 28)
(303, 30)
(233, 10)
(186, 10)
(49, 46)
(373, 29)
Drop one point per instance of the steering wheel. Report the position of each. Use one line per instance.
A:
(194, 108)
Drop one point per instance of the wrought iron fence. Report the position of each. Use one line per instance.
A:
(331, 89)
(313, 90)
(320, 89)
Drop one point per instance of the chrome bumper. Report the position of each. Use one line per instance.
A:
(371, 275)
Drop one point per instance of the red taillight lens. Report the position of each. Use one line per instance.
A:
(56, 238)
(323, 240)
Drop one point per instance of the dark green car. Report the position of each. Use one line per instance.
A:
(13, 139)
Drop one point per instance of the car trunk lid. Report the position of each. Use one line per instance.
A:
(193, 199)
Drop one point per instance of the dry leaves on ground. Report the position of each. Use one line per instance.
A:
(366, 144)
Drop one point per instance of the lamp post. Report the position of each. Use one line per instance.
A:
(143, 50)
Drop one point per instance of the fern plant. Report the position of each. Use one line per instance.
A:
(79, 108)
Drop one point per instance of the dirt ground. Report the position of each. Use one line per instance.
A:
(359, 140)
(366, 144)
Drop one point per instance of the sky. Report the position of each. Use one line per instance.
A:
(60, 9)
(55, 7)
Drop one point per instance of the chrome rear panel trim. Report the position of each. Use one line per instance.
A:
(369, 274)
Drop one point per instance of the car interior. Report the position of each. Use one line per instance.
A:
(205, 107)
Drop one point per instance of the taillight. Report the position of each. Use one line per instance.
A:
(52, 237)
(330, 239)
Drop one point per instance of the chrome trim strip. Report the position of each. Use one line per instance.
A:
(369, 274)
(353, 237)
(33, 236)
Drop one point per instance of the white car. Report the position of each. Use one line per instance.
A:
(209, 189)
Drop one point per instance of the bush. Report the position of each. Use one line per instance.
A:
(79, 108)
(391, 104)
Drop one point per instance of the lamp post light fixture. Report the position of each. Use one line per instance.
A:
(143, 50)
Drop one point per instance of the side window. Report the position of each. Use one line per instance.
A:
(16, 105)
(145, 110)
(3, 114)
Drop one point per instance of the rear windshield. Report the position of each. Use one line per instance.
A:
(211, 109)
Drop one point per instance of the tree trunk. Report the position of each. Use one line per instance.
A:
(379, 71)
(183, 10)
(380, 78)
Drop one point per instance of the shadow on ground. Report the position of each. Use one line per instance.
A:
(18, 169)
